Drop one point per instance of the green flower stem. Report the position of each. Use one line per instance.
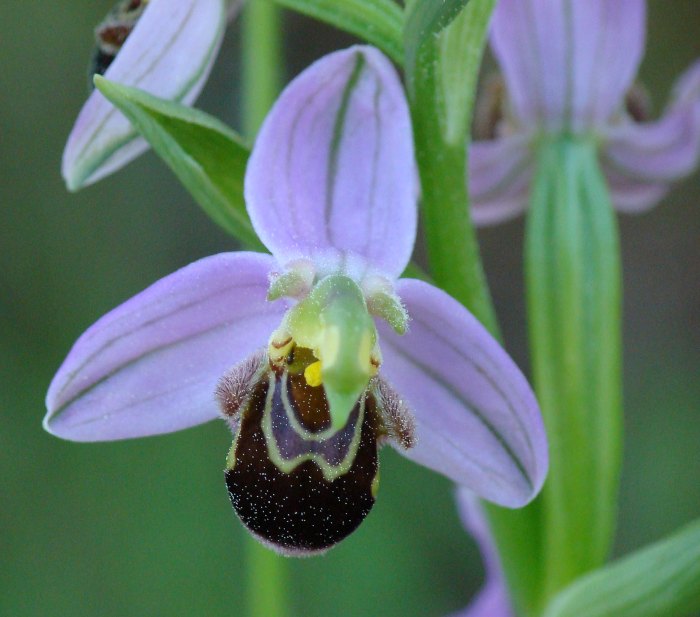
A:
(453, 250)
(518, 534)
(441, 85)
(267, 583)
(441, 152)
(262, 62)
(574, 298)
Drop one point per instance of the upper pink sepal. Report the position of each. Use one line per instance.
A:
(332, 173)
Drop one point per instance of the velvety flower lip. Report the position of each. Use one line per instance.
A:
(567, 68)
(169, 53)
(492, 600)
(330, 191)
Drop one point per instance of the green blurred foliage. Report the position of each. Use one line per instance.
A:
(144, 527)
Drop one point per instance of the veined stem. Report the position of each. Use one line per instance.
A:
(574, 309)
(262, 62)
(267, 583)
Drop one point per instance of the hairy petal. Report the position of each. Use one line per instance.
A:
(499, 178)
(492, 600)
(332, 171)
(640, 160)
(152, 364)
(169, 54)
(568, 64)
(477, 420)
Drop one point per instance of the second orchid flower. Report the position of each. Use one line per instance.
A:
(568, 67)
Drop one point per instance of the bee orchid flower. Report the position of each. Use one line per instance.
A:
(568, 67)
(317, 354)
(165, 47)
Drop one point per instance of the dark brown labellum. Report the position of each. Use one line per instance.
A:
(112, 33)
(297, 485)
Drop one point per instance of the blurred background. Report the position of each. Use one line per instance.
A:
(144, 527)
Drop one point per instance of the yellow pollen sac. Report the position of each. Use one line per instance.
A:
(312, 374)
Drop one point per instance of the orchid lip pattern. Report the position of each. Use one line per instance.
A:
(254, 337)
(168, 51)
(567, 68)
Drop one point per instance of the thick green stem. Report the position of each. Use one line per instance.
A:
(453, 250)
(441, 115)
(262, 69)
(441, 85)
(518, 537)
(262, 62)
(266, 582)
(574, 298)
